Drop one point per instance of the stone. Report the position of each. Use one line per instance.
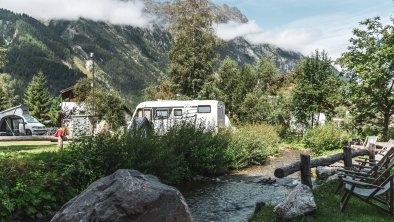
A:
(333, 177)
(324, 172)
(300, 202)
(126, 195)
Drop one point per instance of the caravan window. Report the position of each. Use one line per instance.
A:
(148, 114)
(139, 113)
(162, 113)
(177, 112)
(204, 109)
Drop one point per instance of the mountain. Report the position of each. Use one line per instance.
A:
(127, 58)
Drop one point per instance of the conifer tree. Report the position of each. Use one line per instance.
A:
(192, 56)
(37, 98)
(3, 100)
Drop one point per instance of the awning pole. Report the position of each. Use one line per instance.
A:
(13, 134)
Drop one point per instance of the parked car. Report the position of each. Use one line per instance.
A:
(33, 126)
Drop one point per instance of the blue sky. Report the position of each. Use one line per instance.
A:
(304, 25)
(300, 25)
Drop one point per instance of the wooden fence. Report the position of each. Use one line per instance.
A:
(305, 164)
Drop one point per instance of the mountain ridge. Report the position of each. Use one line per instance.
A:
(127, 58)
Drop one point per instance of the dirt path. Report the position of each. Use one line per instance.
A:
(285, 157)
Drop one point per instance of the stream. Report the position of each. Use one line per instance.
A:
(232, 197)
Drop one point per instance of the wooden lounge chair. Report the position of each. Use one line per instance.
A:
(368, 140)
(380, 195)
(377, 171)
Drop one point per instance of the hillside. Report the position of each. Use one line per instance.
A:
(127, 58)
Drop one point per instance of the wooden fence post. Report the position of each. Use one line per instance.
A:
(371, 149)
(306, 170)
(60, 143)
(347, 156)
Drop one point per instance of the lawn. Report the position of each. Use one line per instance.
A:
(22, 148)
(328, 209)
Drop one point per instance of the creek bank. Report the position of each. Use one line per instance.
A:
(233, 197)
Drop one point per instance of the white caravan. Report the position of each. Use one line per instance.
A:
(208, 114)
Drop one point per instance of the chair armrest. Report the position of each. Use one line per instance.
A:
(361, 166)
(367, 161)
(341, 176)
(359, 183)
(354, 173)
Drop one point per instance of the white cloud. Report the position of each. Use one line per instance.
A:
(113, 11)
(329, 32)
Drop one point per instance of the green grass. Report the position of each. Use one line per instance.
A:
(328, 209)
(22, 148)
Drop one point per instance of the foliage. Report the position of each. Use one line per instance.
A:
(162, 91)
(3, 100)
(192, 56)
(328, 209)
(108, 105)
(229, 80)
(368, 64)
(316, 89)
(253, 144)
(37, 98)
(183, 152)
(325, 137)
(54, 111)
(266, 71)
(8, 86)
(268, 109)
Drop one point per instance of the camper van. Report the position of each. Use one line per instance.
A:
(29, 125)
(164, 114)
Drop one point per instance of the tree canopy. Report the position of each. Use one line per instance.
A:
(316, 88)
(192, 56)
(37, 98)
(369, 65)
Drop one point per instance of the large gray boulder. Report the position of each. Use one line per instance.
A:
(299, 202)
(126, 195)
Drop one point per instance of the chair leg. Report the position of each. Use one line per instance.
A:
(340, 185)
(345, 200)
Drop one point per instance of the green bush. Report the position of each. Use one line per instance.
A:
(325, 137)
(253, 144)
(31, 186)
(39, 184)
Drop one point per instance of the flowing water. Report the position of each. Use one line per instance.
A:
(232, 197)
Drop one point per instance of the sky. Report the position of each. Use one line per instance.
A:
(304, 25)
(299, 25)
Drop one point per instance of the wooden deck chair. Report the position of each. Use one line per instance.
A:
(380, 195)
(370, 139)
(364, 172)
(380, 154)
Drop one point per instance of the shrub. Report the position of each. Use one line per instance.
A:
(253, 144)
(325, 137)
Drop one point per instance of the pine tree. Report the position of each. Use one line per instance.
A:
(3, 100)
(192, 56)
(37, 98)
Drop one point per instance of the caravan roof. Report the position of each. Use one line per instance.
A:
(176, 103)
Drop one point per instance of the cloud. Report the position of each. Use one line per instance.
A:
(113, 11)
(329, 32)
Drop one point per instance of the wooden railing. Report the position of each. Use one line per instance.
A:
(305, 164)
